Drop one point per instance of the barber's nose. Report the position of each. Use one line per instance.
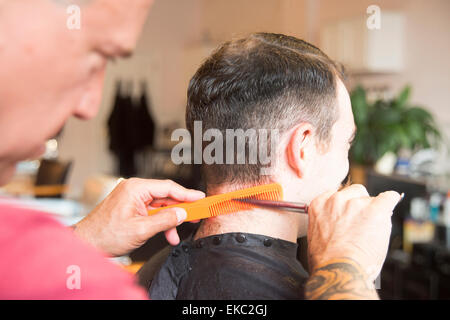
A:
(91, 98)
(86, 112)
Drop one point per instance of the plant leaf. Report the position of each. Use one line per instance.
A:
(402, 98)
(389, 125)
(359, 105)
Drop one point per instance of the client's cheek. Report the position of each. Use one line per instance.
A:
(337, 174)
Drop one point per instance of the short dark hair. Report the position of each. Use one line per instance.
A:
(263, 81)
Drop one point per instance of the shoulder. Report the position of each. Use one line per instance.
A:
(240, 266)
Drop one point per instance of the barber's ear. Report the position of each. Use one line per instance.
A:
(300, 148)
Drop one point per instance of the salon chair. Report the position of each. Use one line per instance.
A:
(51, 179)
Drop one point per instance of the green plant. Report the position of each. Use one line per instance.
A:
(389, 125)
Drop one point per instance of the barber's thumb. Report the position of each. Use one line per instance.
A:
(165, 219)
(387, 200)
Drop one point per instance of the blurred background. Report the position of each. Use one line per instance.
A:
(398, 76)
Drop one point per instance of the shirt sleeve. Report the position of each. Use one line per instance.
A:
(41, 259)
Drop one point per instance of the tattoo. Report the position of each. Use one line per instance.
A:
(340, 279)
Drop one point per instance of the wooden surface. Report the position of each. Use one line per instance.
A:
(24, 186)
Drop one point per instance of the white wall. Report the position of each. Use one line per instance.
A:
(427, 48)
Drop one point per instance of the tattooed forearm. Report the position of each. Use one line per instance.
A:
(339, 279)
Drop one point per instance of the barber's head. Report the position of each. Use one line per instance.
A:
(272, 81)
(50, 72)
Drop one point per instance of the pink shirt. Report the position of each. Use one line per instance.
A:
(42, 259)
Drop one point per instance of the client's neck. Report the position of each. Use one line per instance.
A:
(272, 223)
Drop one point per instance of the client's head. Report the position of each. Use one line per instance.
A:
(278, 83)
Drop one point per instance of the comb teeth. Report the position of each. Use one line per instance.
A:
(231, 206)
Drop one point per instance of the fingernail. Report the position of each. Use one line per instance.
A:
(200, 193)
(181, 214)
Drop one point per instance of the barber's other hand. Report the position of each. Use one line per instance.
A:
(351, 224)
(120, 223)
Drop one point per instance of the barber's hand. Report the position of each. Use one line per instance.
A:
(120, 223)
(351, 224)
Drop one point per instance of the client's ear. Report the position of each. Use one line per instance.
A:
(300, 148)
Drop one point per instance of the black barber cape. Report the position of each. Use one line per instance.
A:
(231, 266)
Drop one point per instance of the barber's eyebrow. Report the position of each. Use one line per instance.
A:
(113, 53)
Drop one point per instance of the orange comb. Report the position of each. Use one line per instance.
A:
(223, 203)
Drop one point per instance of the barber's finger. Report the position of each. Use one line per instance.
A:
(354, 191)
(386, 201)
(170, 189)
(150, 189)
(318, 202)
(172, 236)
(161, 221)
(166, 202)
